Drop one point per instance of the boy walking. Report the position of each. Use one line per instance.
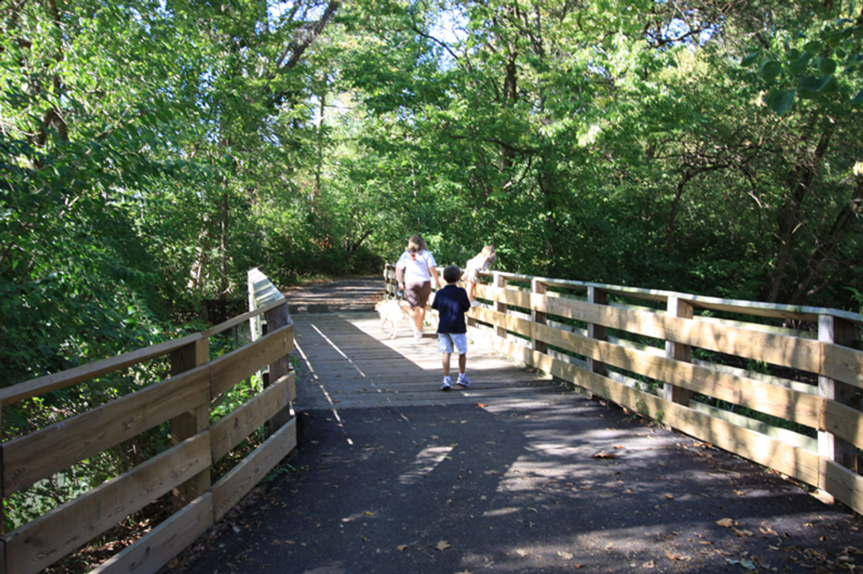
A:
(451, 303)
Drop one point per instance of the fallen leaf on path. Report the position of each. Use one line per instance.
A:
(650, 564)
(725, 523)
(442, 545)
(402, 547)
(564, 555)
(669, 496)
(521, 552)
(604, 455)
(748, 564)
(464, 572)
(492, 472)
(618, 446)
(673, 556)
(481, 405)
(369, 513)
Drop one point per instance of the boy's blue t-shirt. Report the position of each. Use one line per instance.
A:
(451, 303)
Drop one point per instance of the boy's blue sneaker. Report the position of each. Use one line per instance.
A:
(447, 385)
(463, 381)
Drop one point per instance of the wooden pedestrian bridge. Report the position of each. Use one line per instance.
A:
(777, 385)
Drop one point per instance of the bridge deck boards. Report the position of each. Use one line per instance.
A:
(346, 361)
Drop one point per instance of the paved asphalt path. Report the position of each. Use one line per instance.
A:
(572, 485)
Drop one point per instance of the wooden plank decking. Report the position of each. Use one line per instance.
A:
(346, 362)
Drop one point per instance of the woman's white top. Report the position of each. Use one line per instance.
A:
(416, 267)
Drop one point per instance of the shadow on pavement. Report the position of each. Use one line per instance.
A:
(554, 488)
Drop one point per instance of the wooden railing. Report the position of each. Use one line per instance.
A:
(687, 362)
(183, 399)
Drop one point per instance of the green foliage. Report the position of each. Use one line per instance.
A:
(858, 298)
(151, 153)
(814, 58)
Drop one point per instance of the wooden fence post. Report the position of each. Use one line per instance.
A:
(192, 422)
(678, 351)
(838, 332)
(276, 319)
(500, 282)
(598, 332)
(539, 317)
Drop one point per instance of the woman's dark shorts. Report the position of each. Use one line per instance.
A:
(418, 294)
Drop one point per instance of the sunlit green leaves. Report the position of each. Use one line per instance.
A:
(818, 58)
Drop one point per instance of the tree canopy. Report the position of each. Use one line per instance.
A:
(151, 152)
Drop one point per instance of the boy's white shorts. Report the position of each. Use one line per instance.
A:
(446, 342)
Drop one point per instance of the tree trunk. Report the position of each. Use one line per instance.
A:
(510, 95)
(789, 220)
(320, 144)
(825, 253)
(669, 231)
(223, 248)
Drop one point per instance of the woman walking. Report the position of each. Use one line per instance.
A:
(414, 272)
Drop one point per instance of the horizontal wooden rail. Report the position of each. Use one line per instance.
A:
(48, 383)
(44, 385)
(49, 450)
(533, 320)
(184, 400)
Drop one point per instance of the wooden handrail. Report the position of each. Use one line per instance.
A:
(46, 384)
(533, 325)
(233, 322)
(754, 308)
(63, 379)
(184, 399)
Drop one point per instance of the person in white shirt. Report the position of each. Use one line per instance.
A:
(414, 272)
(478, 263)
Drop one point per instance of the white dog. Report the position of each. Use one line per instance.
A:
(393, 312)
